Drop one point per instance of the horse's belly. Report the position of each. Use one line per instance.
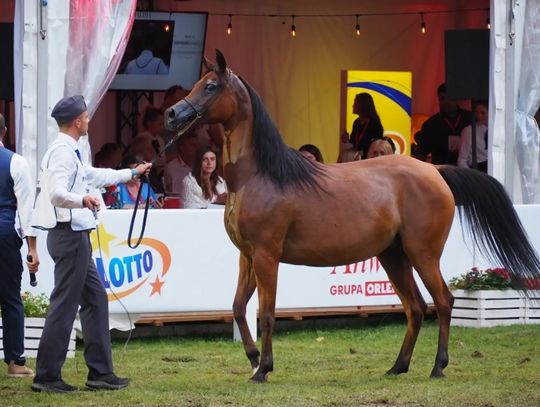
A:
(326, 251)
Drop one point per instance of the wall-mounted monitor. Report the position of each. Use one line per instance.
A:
(164, 49)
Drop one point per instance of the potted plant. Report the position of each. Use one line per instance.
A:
(35, 311)
(484, 298)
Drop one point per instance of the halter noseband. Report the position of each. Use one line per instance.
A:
(197, 112)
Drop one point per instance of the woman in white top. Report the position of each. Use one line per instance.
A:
(465, 151)
(203, 186)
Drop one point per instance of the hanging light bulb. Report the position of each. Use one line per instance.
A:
(229, 26)
(293, 28)
(423, 24)
(357, 26)
(488, 22)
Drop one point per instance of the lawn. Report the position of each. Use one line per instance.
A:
(489, 367)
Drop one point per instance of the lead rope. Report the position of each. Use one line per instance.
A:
(145, 179)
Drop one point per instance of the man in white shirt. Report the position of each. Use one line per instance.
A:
(67, 209)
(16, 197)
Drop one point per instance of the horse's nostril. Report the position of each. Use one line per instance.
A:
(172, 114)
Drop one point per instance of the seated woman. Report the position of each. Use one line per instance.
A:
(381, 146)
(127, 192)
(311, 152)
(203, 186)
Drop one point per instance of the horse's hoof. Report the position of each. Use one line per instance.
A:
(254, 370)
(395, 371)
(437, 374)
(258, 378)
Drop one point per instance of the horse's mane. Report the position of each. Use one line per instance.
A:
(281, 164)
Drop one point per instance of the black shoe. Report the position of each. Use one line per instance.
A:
(107, 382)
(59, 386)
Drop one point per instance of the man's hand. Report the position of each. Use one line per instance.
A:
(33, 266)
(91, 203)
(143, 168)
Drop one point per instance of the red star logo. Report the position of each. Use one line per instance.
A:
(156, 286)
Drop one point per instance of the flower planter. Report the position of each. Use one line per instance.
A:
(33, 327)
(485, 308)
(532, 308)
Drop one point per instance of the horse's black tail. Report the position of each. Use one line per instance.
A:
(493, 224)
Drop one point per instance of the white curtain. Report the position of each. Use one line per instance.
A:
(98, 34)
(527, 143)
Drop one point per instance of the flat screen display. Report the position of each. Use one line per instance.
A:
(164, 49)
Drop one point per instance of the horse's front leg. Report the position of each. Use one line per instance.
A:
(244, 291)
(265, 268)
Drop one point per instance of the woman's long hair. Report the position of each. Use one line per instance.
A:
(197, 172)
(367, 107)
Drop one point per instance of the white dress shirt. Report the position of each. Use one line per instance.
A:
(465, 150)
(192, 196)
(24, 192)
(63, 182)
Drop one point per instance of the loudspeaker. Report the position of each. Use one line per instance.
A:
(467, 64)
(6, 67)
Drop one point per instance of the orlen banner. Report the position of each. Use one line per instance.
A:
(391, 92)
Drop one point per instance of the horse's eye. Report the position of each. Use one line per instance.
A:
(210, 87)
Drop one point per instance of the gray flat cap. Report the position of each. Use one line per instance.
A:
(68, 108)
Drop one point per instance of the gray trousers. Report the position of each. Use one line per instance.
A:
(76, 282)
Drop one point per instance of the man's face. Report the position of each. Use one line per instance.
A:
(445, 105)
(81, 123)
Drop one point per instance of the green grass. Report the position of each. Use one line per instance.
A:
(330, 367)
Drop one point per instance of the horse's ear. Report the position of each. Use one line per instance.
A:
(220, 59)
(207, 64)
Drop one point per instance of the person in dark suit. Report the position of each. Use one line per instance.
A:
(438, 141)
(16, 197)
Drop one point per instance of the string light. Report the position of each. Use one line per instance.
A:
(229, 26)
(423, 24)
(423, 28)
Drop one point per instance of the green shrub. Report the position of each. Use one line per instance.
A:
(35, 306)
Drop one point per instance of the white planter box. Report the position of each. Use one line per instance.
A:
(487, 308)
(32, 334)
(532, 308)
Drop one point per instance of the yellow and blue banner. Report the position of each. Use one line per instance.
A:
(392, 94)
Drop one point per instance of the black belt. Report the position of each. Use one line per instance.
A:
(63, 225)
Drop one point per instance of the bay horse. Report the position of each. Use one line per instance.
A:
(282, 207)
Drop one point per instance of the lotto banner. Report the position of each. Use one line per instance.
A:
(391, 92)
(186, 262)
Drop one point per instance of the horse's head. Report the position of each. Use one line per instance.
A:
(210, 101)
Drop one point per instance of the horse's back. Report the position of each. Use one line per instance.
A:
(361, 208)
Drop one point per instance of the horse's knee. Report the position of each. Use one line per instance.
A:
(239, 310)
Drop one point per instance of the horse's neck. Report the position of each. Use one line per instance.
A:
(238, 157)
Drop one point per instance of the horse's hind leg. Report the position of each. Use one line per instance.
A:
(399, 270)
(244, 291)
(430, 273)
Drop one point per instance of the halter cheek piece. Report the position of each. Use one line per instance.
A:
(197, 112)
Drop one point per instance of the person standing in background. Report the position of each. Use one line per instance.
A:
(440, 137)
(16, 198)
(465, 151)
(67, 209)
(366, 128)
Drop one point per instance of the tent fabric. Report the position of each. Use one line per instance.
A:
(527, 142)
(79, 53)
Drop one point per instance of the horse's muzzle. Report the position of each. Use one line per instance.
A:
(178, 115)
